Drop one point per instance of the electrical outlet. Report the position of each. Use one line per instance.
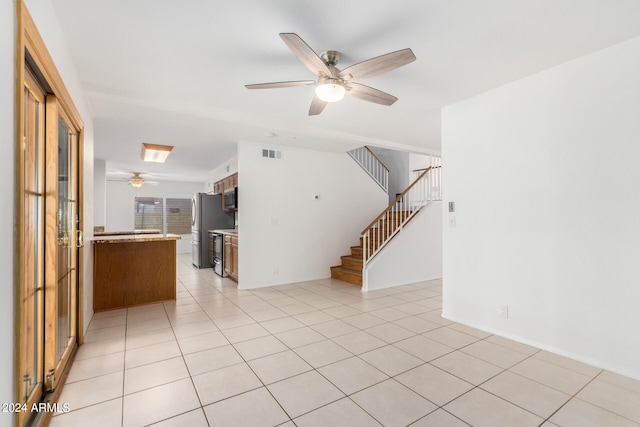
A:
(504, 312)
(275, 271)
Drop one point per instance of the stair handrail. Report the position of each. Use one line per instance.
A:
(399, 220)
(397, 199)
(371, 164)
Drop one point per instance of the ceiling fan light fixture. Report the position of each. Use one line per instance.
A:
(136, 182)
(155, 152)
(330, 90)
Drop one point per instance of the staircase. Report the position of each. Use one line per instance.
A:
(424, 189)
(350, 270)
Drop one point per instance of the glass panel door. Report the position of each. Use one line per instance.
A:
(31, 343)
(66, 238)
(61, 210)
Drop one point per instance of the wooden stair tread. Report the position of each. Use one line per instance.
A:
(352, 262)
(347, 270)
(347, 274)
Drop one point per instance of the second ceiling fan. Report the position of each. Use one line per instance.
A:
(333, 84)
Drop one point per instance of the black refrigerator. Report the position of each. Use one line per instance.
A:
(206, 214)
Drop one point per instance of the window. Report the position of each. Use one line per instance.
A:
(169, 215)
(179, 216)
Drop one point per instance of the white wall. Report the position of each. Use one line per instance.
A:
(414, 255)
(120, 204)
(284, 234)
(7, 215)
(224, 170)
(545, 176)
(419, 161)
(398, 164)
(99, 191)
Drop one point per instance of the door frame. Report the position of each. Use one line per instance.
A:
(29, 39)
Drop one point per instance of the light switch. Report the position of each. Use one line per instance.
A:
(452, 206)
(452, 221)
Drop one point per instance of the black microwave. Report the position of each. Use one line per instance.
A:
(231, 199)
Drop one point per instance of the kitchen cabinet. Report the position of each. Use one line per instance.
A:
(231, 256)
(234, 257)
(225, 184)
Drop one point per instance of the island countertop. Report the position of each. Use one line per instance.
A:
(130, 238)
(120, 232)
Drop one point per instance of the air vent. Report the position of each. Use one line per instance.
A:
(271, 154)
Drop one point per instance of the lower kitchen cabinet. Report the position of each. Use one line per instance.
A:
(231, 256)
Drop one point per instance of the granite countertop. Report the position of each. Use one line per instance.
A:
(125, 238)
(121, 233)
(226, 231)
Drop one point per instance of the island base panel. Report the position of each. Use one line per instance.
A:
(133, 273)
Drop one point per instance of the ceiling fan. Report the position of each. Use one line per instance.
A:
(333, 84)
(135, 180)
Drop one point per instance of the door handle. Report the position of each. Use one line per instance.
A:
(64, 239)
(80, 239)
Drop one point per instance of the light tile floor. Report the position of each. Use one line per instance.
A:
(322, 353)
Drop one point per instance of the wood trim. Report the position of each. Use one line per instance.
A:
(384, 212)
(376, 157)
(18, 260)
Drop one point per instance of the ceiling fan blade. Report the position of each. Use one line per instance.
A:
(370, 94)
(378, 65)
(280, 84)
(317, 105)
(305, 54)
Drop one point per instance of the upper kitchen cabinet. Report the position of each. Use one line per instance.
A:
(228, 188)
(219, 187)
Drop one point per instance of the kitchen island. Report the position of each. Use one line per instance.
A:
(132, 268)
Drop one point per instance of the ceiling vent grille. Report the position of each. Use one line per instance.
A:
(271, 154)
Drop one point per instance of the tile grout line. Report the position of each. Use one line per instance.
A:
(323, 294)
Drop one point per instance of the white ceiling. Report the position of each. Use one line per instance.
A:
(173, 72)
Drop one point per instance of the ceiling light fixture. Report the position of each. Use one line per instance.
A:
(136, 181)
(155, 153)
(330, 90)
